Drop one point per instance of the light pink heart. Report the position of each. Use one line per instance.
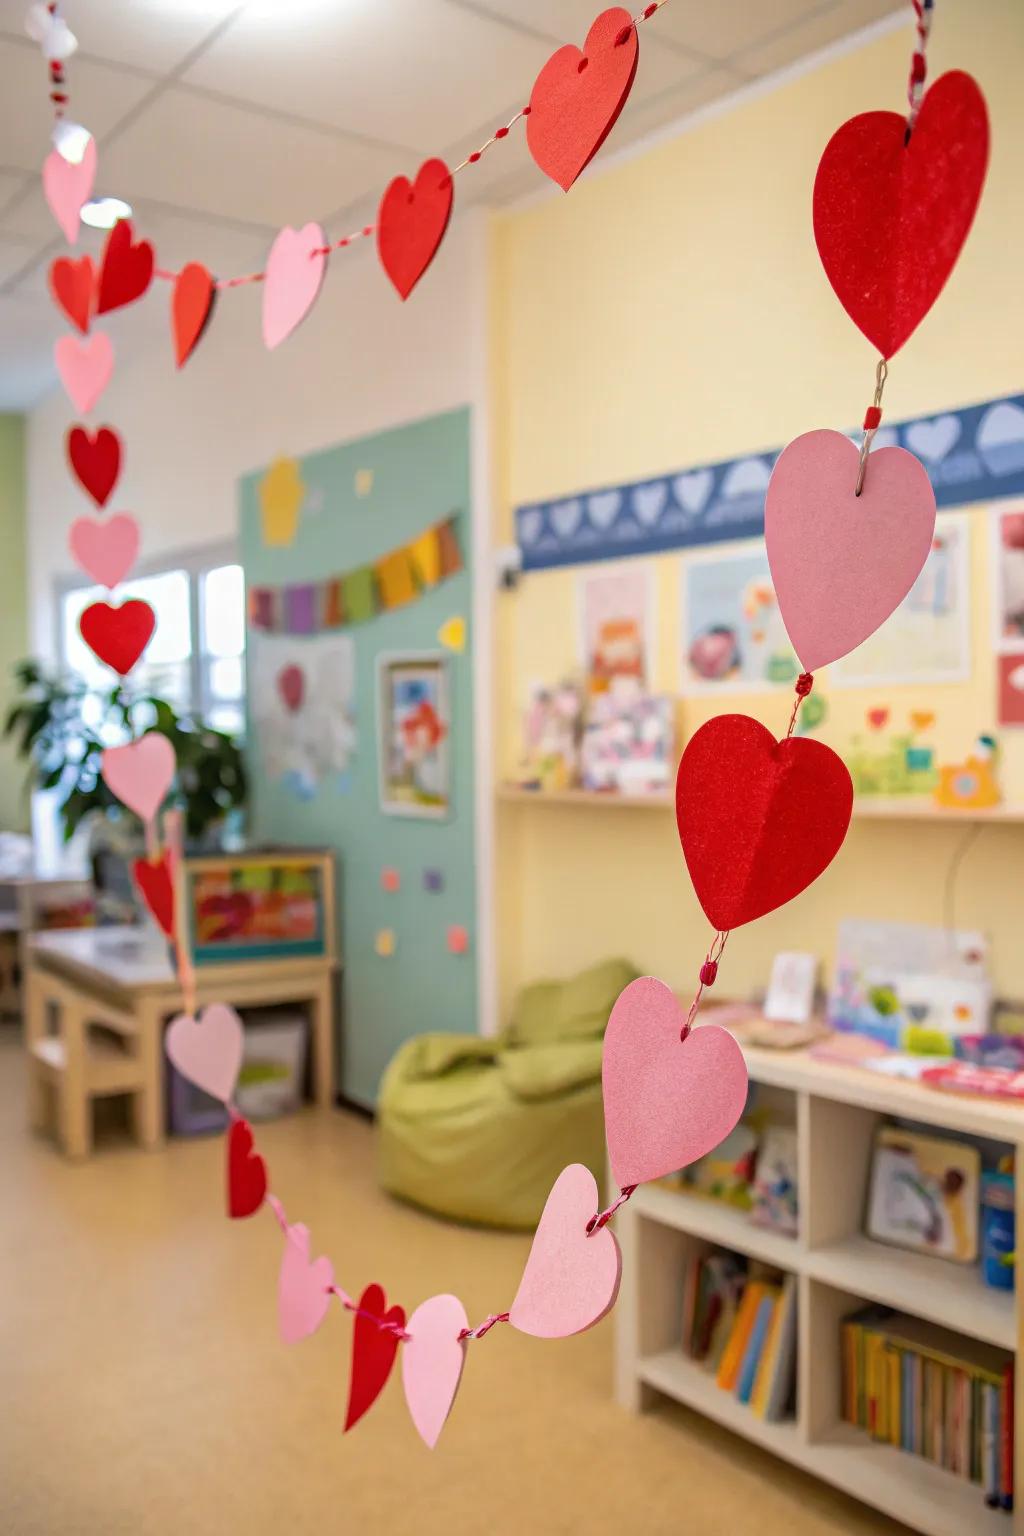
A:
(292, 280)
(105, 549)
(303, 1287)
(208, 1050)
(140, 773)
(842, 563)
(667, 1101)
(66, 187)
(432, 1361)
(85, 365)
(570, 1280)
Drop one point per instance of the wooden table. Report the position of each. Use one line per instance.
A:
(121, 979)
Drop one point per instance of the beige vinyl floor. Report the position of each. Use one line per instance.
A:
(144, 1392)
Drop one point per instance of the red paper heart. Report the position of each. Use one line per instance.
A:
(73, 285)
(191, 308)
(127, 269)
(291, 685)
(890, 218)
(156, 887)
(758, 819)
(118, 636)
(411, 222)
(578, 96)
(95, 459)
(373, 1352)
(247, 1172)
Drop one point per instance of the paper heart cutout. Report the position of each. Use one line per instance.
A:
(66, 187)
(373, 1352)
(565, 517)
(73, 287)
(105, 550)
(692, 490)
(247, 1172)
(934, 439)
(577, 97)
(191, 308)
(140, 773)
(842, 563)
(303, 1287)
(432, 1360)
(118, 636)
(890, 218)
(758, 819)
(291, 685)
(570, 1280)
(156, 886)
(667, 1101)
(292, 280)
(85, 368)
(411, 222)
(648, 502)
(95, 460)
(603, 508)
(208, 1050)
(126, 270)
(452, 634)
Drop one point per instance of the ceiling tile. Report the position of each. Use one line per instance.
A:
(413, 72)
(12, 182)
(100, 97)
(148, 34)
(816, 32)
(197, 154)
(721, 29)
(14, 255)
(562, 21)
(709, 86)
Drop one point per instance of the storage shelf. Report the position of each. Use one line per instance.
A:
(951, 1294)
(866, 807)
(591, 797)
(684, 1380)
(716, 1222)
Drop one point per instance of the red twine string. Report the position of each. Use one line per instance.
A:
(804, 684)
(604, 1217)
(923, 10)
(708, 976)
(485, 1327)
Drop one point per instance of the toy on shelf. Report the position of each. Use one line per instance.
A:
(924, 1193)
(911, 987)
(552, 728)
(774, 1203)
(971, 785)
(627, 742)
(899, 764)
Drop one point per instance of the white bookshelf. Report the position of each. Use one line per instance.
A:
(835, 1110)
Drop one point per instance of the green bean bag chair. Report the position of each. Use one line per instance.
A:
(479, 1129)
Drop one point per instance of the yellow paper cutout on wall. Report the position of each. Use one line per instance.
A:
(395, 579)
(426, 558)
(452, 634)
(281, 493)
(364, 482)
(384, 943)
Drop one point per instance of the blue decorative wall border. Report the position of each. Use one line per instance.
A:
(973, 454)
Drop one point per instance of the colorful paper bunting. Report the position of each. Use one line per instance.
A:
(758, 819)
(95, 459)
(208, 1050)
(191, 309)
(649, 1074)
(291, 282)
(571, 1279)
(67, 186)
(140, 773)
(411, 222)
(73, 286)
(891, 217)
(842, 563)
(126, 270)
(118, 636)
(577, 97)
(395, 581)
(105, 550)
(373, 1351)
(246, 1172)
(85, 368)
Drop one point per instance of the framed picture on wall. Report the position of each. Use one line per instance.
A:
(414, 734)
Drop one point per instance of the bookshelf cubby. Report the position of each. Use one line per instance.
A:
(839, 1270)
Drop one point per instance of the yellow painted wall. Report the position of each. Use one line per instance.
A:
(672, 311)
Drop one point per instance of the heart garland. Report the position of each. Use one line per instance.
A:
(85, 368)
(373, 1351)
(105, 551)
(246, 1170)
(95, 460)
(411, 223)
(291, 282)
(73, 286)
(191, 309)
(156, 887)
(578, 95)
(118, 636)
(126, 270)
(66, 186)
(140, 773)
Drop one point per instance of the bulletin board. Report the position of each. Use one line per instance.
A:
(357, 641)
(906, 710)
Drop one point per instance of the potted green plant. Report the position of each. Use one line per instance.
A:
(61, 726)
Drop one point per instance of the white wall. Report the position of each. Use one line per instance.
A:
(361, 362)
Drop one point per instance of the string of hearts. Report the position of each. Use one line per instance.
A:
(759, 819)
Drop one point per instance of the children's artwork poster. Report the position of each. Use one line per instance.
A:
(616, 612)
(1010, 700)
(303, 703)
(894, 752)
(414, 724)
(733, 637)
(927, 639)
(247, 909)
(1008, 585)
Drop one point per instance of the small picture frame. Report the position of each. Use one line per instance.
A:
(414, 734)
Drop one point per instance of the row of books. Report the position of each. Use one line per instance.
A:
(739, 1322)
(933, 1393)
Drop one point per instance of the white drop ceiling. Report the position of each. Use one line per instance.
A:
(220, 121)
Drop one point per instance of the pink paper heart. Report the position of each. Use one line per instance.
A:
(432, 1361)
(208, 1050)
(842, 563)
(66, 187)
(667, 1101)
(85, 365)
(140, 773)
(292, 280)
(105, 550)
(303, 1288)
(570, 1280)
